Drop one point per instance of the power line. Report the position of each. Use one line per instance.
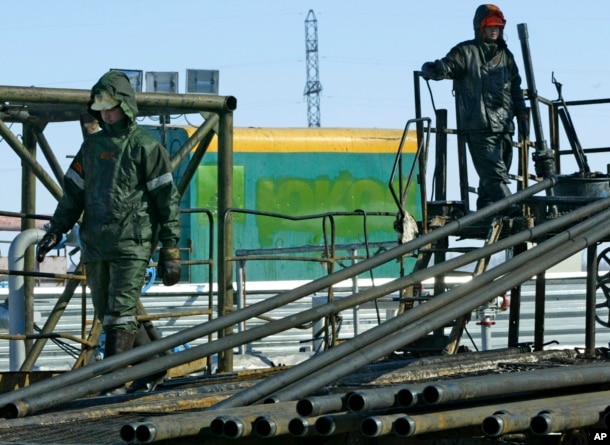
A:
(313, 86)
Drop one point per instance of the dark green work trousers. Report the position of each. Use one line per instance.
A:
(492, 155)
(116, 287)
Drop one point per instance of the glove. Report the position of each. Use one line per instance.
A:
(429, 71)
(50, 240)
(168, 267)
(523, 125)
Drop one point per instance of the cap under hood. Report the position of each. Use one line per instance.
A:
(116, 85)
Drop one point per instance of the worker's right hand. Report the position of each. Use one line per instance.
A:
(429, 71)
(50, 240)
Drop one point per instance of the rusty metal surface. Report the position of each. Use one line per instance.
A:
(92, 432)
(182, 413)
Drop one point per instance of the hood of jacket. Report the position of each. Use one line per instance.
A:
(117, 84)
(480, 14)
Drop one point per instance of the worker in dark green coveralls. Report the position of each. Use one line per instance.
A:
(489, 95)
(121, 183)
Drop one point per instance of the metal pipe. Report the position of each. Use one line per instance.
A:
(369, 399)
(517, 416)
(50, 324)
(508, 420)
(142, 352)
(128, 432)
(225, 236)
(539, 312)
(191, 424)
(16, 296)
(507, 417)
(514, 315)
(234, 428)
(217, 425)
(47, 151)
(544, 160)
(30, 160)
(302, 426)
(375, 426)
(566, 418)
(414, 424)
(410, 396)
(193, 165)
(337, 423)
(13, 223)
(168, 427)
(266, 387)
(270, 426)
(407, 327)
(115, 362)
(193, 102)
(29, 406)
(503, 384)
(317, 405)
(591, 297)
(195, 139)
(240, 422)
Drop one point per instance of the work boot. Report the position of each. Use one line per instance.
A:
(148, 383)
(117, 341)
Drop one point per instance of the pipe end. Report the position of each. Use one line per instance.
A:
(404, 426)
(406, 398)
(541, 424)
(493, 426)
(371, 426)
(305, 407)
(265, 427)
(325, 425)
(299, 426)
(432, 394)
(356, 402)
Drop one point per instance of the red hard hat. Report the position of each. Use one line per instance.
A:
(493, 20)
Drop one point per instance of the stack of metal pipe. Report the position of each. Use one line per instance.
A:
(538, 401)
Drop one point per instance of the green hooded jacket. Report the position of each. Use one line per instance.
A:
(121, 183)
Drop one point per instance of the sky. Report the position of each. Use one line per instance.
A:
(367, 53)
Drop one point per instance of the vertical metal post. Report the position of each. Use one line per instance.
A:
(515, 306)
(486, 323)
(590, 300)
(419, 130)
(28, 206)
(440, 169)
(225, 230)
(522, 168)
(462, 161)
(49, 155)
(539, 311)
(543, 157)
(240, 271)
(440, 188)
(355, 290)
(554, 135)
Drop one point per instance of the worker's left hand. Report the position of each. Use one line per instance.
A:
(169, 265)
